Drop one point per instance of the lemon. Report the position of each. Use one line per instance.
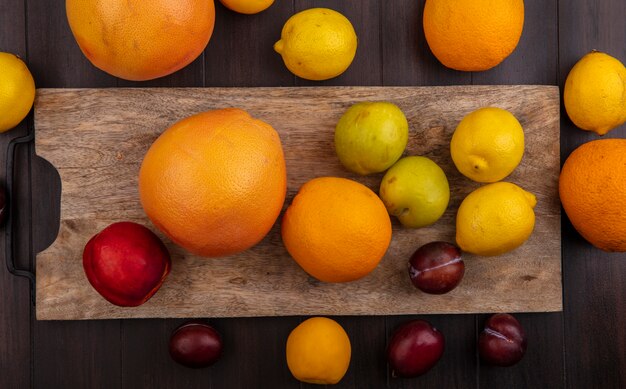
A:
(317, 44)
(495, 218)
(248, 7)
(17, 91)
(487, 145)
(416, 191)
(595, 93)
(318, 351)
(371, 136)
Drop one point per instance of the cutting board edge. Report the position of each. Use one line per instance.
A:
(40, 316)
(556, 308)
(300, 88)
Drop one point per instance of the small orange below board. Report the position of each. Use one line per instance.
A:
(96, 139)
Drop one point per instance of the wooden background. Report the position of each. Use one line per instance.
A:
(582, 347)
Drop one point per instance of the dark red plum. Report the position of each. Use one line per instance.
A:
(195, 344)
(503, 341)
(436, 267)
(415, 347)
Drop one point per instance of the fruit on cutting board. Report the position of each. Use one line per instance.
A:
(503, 341)
(17, 91)
(473, 35)
(495, 218)
(336, 229)
(141, 40)
(595, 93)
(593, 193)
(195, 344)
(248, 7)
(415, 347)
(436, 267)
(371, 136)
(487, 145)
(416, 191)
(318, 351)
(126, 263)
(4, 206)
(215, 182)
(317, 44)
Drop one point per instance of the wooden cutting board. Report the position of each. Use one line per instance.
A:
(96, 138)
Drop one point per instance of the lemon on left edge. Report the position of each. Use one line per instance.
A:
(17, 91)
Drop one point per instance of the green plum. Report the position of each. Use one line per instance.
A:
(371, 136)
(416, 191)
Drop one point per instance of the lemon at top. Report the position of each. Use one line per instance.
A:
(495, 219)
(318, 351)
(248, 7)
(317, 44)
(488, 144)
(17, 91)
(595, 93)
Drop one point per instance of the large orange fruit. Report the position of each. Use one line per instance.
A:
(592, 187)
(215, 182)
(473, 35)
(336, 229)
(141, 40)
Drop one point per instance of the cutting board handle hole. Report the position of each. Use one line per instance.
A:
(46, 203)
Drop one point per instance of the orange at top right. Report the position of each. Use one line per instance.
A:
(473, 35)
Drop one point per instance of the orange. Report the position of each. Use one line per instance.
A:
(215, 182)
(318, 351)
(473, 35)
(592, 188)
(141, 40)
(336, 229)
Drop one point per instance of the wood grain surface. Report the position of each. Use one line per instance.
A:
(96, 138)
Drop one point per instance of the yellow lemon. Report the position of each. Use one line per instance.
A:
(487, 145)
(595, 93)
(318, 351)
(495, 218)
(317, 44)
(248, 7)
(17, 91)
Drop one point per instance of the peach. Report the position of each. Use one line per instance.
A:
(126, 263)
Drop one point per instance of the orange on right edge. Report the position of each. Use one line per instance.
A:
(336, 229)
(591, 187)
